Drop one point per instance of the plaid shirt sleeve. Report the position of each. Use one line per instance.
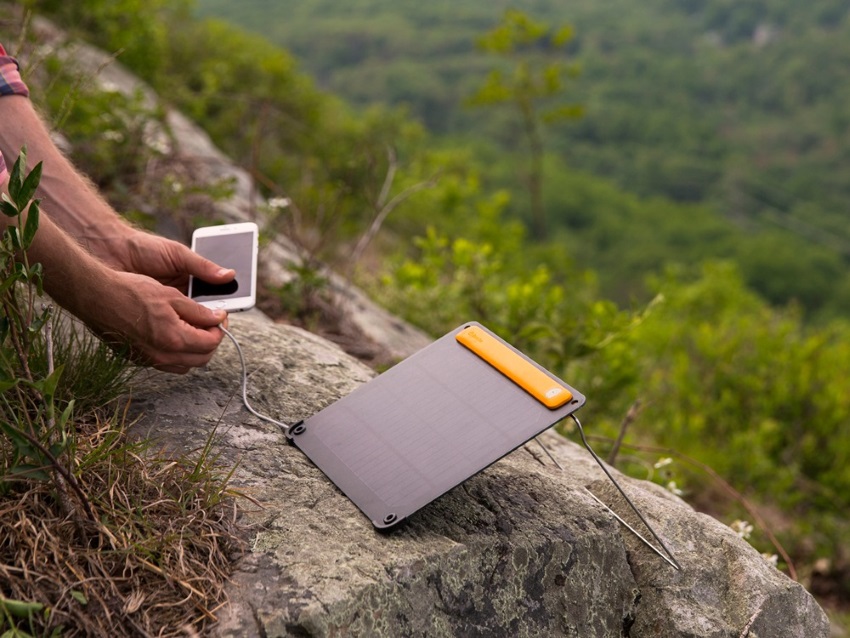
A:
(10, 84)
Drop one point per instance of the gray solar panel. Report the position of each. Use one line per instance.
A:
(427, 424)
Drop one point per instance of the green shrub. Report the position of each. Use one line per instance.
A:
(135, 30)
(721, 377)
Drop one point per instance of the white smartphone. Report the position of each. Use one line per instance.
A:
(230, 246)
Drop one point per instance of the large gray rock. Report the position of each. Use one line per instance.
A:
(520, 550)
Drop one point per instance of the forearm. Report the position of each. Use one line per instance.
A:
(73, 278)
(75, 205)
(161, 326)
(123, 283)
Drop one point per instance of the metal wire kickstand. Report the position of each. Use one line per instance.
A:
(669, 555)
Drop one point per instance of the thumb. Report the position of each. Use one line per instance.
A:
(205, 269)
(197, 315)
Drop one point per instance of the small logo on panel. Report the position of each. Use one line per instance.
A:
(553, 392)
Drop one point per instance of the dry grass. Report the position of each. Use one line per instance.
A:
(154, 563)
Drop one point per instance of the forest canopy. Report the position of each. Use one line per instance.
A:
(738, 107)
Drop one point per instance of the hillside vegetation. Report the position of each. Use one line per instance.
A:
(738, 107)
(723, 389)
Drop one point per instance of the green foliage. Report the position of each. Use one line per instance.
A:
(535, 75)
(551, 311)
(722, 377)
(38, 399)
(111, 134)
(93, 376)
(123, 143)
(240, 95)
(533, 83)
(305, 296)
(297, 142)
(29, 419)
(16, 612)
(134, 30)
(68, 472)
(736, 106)
(746, 389)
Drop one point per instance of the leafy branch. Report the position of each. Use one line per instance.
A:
(38, 437)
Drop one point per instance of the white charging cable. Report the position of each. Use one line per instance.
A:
(282, 426)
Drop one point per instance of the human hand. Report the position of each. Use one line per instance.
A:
(169, 262)
(162, 327)
(158, 323)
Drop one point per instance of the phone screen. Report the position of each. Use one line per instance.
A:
(234, 251)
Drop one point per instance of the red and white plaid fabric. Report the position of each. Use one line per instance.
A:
(10, 84)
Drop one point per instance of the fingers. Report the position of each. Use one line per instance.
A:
(153, 323)
(170, 262)
(195, 314)
(194, 343)
(185, 336)
(203, 268)
(164, 356)
(179, 353)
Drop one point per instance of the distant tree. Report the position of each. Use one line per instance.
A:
(536, 78)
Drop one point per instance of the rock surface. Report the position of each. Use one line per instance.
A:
(520, 550)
